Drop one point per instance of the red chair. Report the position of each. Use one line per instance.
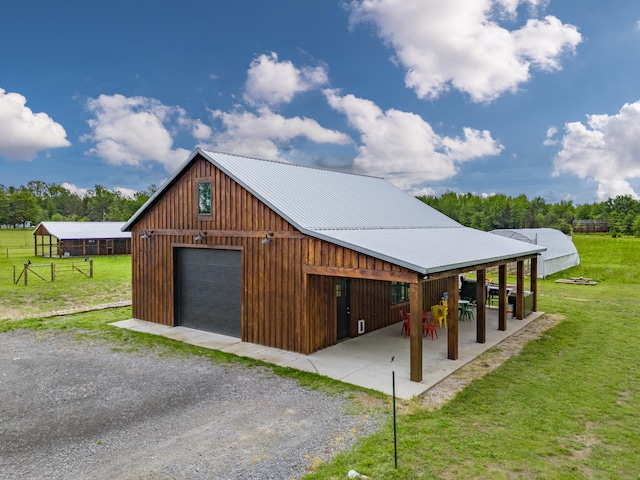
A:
(406, 328)
(428, 327)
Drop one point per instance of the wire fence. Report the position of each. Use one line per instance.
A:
(16, 252)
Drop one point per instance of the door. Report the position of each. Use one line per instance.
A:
(343, 305)
(208, 289)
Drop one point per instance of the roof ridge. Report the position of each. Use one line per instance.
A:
(387, 227)
(311, 167)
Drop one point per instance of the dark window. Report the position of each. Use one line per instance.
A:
(204, 198)
(399, 292)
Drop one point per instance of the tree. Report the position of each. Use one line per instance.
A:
(635, 227)
(23, 208)
(67, 204)
(97, 203)
(5, 216)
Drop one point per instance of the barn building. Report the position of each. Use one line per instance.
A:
(299, 258)
(80, 239)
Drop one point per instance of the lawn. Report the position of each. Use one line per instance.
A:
(566, 407)
(111, 280)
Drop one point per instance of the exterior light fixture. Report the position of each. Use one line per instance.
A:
(267, 238)
(200, 236)
(146, 234)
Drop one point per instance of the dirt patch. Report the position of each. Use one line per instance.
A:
(8, 313)
(446, 390)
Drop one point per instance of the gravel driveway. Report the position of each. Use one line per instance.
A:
(78, 409)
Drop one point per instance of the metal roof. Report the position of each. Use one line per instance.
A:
(315, 198)
(432, 250)
(83, 230)
(360, 212)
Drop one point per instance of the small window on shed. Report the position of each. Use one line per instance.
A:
(399, 292)
(204, 198)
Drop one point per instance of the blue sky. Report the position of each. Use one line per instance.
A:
(530, 97)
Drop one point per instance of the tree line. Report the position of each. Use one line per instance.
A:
(501, 211)
(40, 201)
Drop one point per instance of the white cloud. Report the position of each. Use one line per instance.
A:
(551, 133)
(606, 149)
(262, 134)
(270, 82)
(402, 147)
(25, 133)
(80, 192)
(460, 44)
(135, 130)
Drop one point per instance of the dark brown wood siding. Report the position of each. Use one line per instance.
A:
(371, 302)
(273, 285)
(321, 311)
(322, 253)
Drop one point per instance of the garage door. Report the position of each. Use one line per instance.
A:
(208, 283)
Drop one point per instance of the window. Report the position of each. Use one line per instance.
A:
(204, 198)
(399, 292)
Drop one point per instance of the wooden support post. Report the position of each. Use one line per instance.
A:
(25, 273)
(452, 317)
(502, 297)
(91, 268)
(534, 283)
(520, 290)
(53, 272)
(415, 337)
(481, 309)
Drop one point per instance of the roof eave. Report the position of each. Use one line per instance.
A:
(158, 193)
(420, 269)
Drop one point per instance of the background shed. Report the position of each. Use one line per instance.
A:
(79, 239)
(561, 253)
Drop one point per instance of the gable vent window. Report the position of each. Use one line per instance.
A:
(399, 292)
(204, 198)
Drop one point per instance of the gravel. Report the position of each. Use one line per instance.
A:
(77, 408)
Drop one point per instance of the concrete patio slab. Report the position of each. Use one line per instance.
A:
(365, 360)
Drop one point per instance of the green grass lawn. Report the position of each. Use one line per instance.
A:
(111, 279)
(16, 242)
(566, 407)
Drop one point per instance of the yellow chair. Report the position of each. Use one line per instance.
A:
(439, 313)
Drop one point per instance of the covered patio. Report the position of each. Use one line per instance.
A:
(365, 360)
